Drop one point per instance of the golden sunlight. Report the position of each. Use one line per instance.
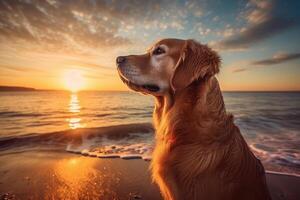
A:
(73, 80)
(75, 173)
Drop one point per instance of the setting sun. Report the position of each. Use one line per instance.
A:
(73, 80)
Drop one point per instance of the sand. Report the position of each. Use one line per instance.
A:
(56, 175)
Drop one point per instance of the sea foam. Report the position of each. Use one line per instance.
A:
(135, 146)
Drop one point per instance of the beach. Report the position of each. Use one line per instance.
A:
(58, 175)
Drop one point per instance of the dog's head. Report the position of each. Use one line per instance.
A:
(168, 66)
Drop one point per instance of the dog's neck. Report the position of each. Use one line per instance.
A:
(199, 106)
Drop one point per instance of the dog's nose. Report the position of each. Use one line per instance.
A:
(120, 59)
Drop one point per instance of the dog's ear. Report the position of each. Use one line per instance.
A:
(196, 62)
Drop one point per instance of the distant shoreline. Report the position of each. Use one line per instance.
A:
(15, 88)
(26, 89)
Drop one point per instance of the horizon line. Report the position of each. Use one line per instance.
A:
(97, 90)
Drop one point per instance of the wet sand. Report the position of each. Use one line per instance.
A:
(56, 175)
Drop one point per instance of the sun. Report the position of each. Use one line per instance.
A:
(73, 80)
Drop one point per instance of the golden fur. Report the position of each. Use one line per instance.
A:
(199, 152)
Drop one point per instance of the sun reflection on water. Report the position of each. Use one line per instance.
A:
(74, 108)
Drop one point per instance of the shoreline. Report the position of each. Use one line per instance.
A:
(62, 175)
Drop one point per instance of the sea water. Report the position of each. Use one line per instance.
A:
(71, 122)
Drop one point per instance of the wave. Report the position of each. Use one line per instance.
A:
(282, 173)
(128, 141)
(63, 115)
(6, 114)
(77, 136)
(135, 146)
(102, 115)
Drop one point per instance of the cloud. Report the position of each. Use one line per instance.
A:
(262, 23)
(256, 33)
(239, 70)
(57, 25)
(203, 31)
(54, 34)
(24, 69)
(86, 64)
(82, 26)
(276, 59)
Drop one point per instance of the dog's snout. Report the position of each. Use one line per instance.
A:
(120, 59)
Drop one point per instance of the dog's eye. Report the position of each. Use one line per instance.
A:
(158, 51)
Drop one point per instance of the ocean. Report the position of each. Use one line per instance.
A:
(73, 122)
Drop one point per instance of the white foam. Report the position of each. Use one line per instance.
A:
(257, 150)
(135, 146)
(83, 147)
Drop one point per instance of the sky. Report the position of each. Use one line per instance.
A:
(63, 44)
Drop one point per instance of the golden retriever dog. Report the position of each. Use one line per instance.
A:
(199, 151)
